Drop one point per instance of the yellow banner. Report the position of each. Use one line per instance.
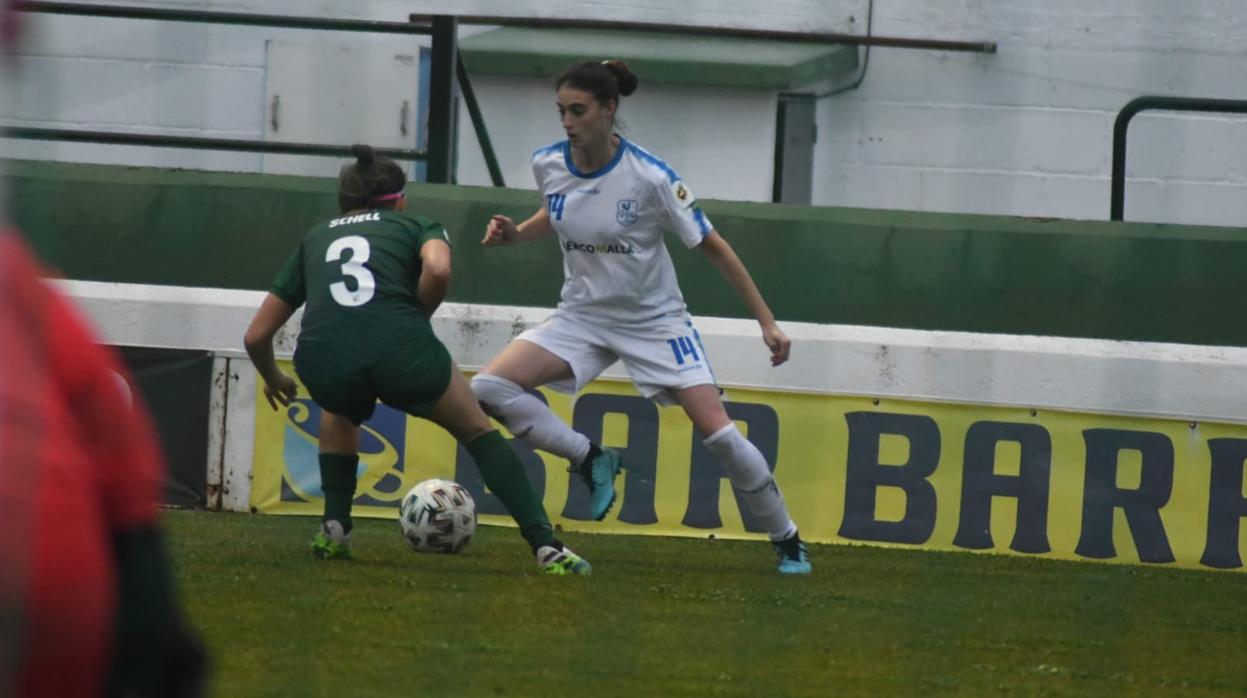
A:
(899, 473)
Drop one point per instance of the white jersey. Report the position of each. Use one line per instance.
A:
(610, 225)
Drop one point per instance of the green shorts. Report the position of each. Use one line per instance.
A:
(412, 381)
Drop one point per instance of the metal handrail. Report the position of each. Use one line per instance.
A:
(478, 122)
(1117, 206)
(227, 144)
(208, 17)
(730, 32)
(439, 159)
(443, 28)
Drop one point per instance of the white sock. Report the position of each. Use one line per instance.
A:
(528, 419)
(746, 468)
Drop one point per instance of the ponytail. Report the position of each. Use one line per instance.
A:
(372, 181)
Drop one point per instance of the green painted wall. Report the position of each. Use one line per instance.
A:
(829, 265)
(670, 59)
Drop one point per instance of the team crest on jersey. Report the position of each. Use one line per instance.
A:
(627, 211)
(683, 196)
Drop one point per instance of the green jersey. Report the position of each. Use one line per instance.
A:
(358, 273)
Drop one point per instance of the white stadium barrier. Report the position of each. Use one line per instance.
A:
(860, 416)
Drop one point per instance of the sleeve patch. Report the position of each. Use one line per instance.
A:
(683, 197)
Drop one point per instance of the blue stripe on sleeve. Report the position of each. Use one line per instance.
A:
(548, 149)
(656, 162)
(702, 221)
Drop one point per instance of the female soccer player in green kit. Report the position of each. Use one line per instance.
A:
(371, 278)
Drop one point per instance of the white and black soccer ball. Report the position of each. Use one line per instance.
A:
(438, 516)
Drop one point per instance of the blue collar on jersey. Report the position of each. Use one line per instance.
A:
(604, 169)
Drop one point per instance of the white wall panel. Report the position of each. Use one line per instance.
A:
(1025, 131)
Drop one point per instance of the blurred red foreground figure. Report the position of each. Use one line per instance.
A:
(86, 597)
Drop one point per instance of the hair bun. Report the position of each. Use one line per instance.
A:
(624, 76)
(363, 154)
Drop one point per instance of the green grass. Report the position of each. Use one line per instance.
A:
(684, 617)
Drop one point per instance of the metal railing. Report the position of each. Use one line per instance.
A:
(1121, 129)
(194, 143)
(868, 40)
(447, 68)
(689, 30)
(449, 78)
(210, 17)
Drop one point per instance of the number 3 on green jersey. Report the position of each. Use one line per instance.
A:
(365, 284)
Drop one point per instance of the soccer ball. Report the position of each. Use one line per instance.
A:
(437, 516)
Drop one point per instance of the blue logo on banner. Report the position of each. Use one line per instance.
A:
(380, 448)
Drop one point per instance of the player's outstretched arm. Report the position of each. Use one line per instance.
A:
(503, 231)
(273, 313)
(434, 281)
(724, 258)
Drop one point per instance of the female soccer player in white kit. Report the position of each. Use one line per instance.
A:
(609, 202)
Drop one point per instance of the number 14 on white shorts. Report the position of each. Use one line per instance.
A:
(686, 350)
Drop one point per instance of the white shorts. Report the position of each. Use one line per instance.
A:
(660, 356)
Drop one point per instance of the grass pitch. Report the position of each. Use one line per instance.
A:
(691, 617)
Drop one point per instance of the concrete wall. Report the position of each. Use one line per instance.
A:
(1028, 131)
(1162, 381)
(1085, 375)
(140, 76)
(1024, 132)
(933, 271)
(684, 126)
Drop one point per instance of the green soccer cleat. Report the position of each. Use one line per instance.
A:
(599, 475)
(331, 542)
(793, 558)
(558, 559)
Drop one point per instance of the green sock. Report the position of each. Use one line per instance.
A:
(337, 479)
(503, 474)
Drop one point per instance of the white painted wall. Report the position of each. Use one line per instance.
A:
(1026, 131)
(686, 127)
(1083, 375)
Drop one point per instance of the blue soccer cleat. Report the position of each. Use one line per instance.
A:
(793, 558)
(599, 475)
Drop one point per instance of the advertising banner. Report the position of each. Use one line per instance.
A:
(853, 470)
